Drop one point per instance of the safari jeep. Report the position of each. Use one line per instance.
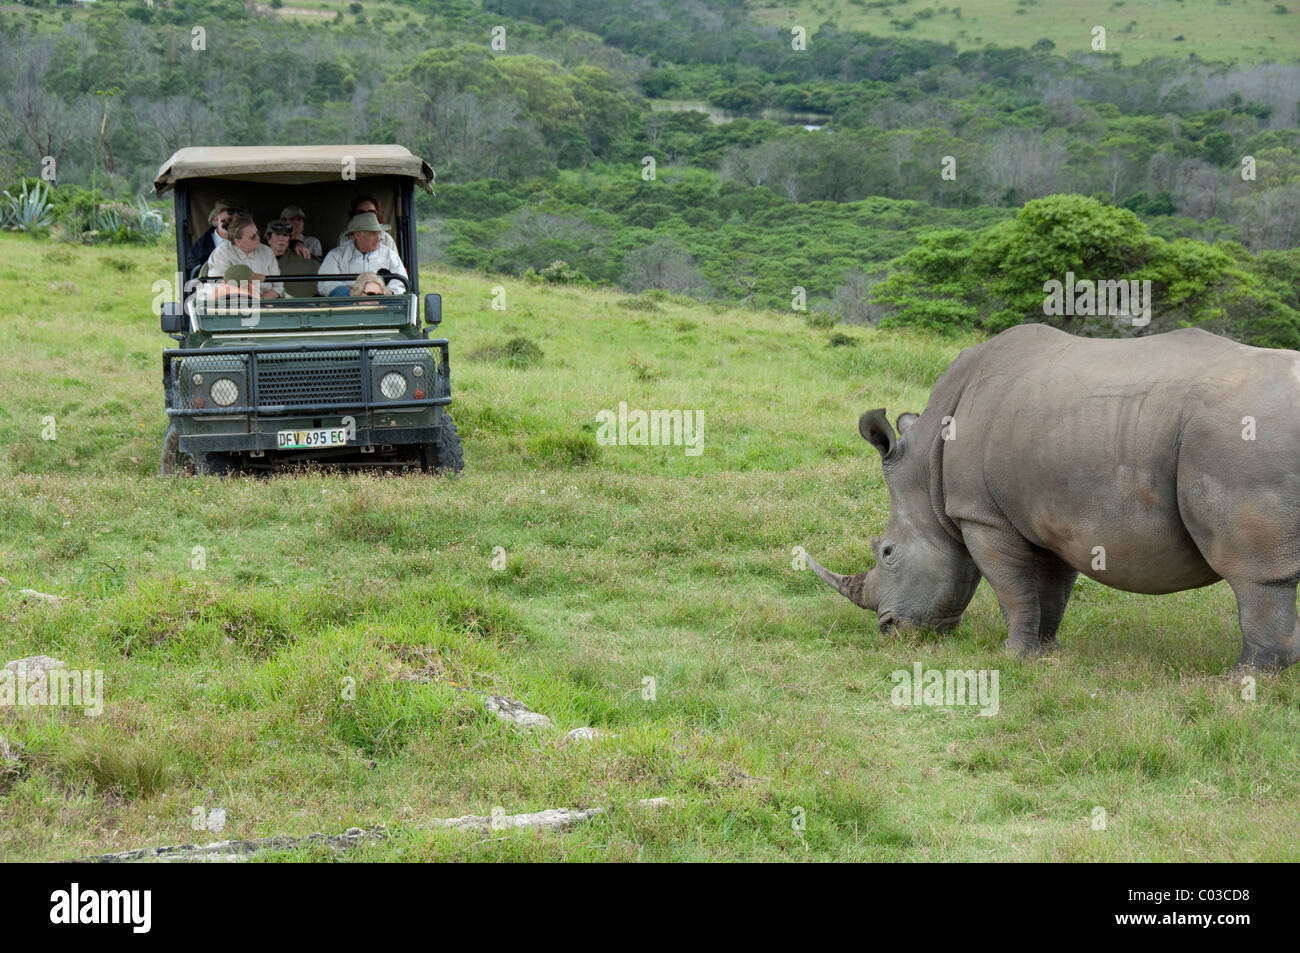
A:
(339, 381)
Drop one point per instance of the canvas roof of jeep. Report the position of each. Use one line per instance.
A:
(292, 165)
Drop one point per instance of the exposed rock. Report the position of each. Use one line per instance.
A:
(654, 802)
(508, 709)
(33, 665)
(31, 672)
(233, 851)
(31, 595)
(586, 734)
(556, 819)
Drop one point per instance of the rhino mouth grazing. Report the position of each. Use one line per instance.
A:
(891, 623)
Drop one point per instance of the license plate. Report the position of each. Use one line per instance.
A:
(312, 439)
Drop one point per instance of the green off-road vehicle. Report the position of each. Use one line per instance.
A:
(340, 381)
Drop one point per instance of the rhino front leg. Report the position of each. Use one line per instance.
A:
(1270, 629)
(1013, 569)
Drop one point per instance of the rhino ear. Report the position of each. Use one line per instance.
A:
(875, 430)
(905, 421)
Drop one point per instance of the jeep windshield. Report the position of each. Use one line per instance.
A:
(244, 316)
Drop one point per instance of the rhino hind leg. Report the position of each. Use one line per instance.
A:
(1270, 628)
(1025, 585)
(1055, 584)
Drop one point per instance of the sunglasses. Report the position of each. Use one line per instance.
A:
(281, 229)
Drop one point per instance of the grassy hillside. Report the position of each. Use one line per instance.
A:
(1247, 31)
(224, 685)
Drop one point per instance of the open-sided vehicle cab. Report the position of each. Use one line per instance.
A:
(335, 380)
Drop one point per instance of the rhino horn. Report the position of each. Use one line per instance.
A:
(859, 589)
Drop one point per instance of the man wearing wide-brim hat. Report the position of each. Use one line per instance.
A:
(362, 251)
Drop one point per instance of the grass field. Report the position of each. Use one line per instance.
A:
(224, 685)
(1245, 31)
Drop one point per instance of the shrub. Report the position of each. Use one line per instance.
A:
(558, 272)
(517, 352)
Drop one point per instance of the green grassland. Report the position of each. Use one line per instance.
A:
(1247, 31)
(224, 686)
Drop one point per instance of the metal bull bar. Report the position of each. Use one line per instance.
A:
(251, 353)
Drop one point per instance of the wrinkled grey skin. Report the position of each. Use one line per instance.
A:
(1059, 445)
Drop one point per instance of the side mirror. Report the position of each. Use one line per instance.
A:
(432, 310)
(173, 317)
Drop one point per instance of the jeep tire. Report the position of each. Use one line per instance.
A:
(444, 455)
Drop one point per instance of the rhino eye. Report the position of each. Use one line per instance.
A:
(887, 552)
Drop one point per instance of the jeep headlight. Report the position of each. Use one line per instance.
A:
(224, 392)
(393, 385)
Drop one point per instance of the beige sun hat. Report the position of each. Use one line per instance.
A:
(365, 222)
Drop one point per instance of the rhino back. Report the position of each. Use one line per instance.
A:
(1134, 446)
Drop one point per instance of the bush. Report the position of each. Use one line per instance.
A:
(518, 352)
(558, 272)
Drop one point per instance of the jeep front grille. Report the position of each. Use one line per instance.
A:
(318, 377)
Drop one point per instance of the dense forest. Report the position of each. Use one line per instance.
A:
(685, 146)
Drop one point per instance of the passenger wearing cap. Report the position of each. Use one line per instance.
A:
(294, 216)
(361, 251)
(245, 247)
(291, 257)
(213, 238)
(237, 282)
(367, 203)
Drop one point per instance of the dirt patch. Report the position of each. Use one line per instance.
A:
(295, 11)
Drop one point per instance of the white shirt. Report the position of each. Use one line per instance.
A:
(313, 244)
(261, 260)
(347, 259)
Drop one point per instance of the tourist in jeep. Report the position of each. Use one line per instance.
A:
(367, 203)
(361, 251)
(291, 257)
(245, 247)
(215, 236)
(368, 284)
(294, 215)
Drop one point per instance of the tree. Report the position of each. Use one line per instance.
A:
(662, 264)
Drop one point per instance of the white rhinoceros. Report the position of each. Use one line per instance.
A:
(1151, 464)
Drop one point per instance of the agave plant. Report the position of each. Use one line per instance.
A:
(120, 223)
(149, 224)
(29, 210)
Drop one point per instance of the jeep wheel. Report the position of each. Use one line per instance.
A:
(171, 462)
(444, 454)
